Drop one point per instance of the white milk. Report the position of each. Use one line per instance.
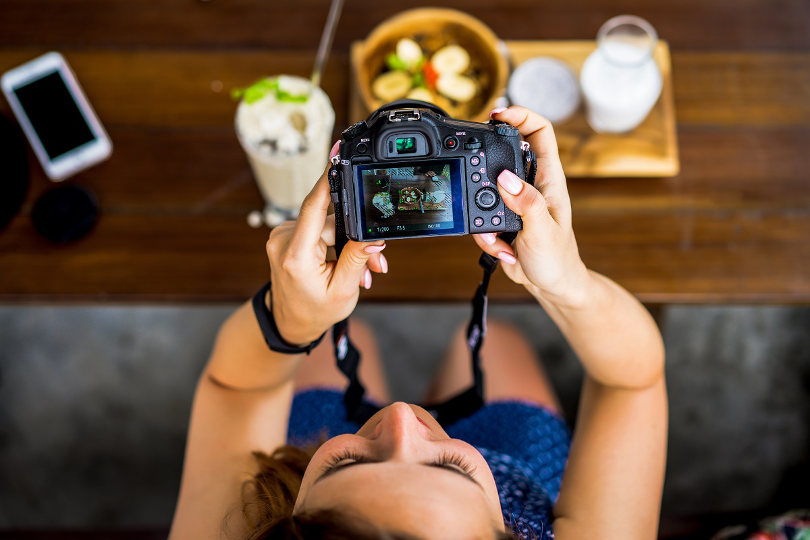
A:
(621, 83)
(287, 144)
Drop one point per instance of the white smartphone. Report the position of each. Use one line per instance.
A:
(59, 122)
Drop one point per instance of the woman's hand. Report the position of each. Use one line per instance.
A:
(545, 257)
(309, 294)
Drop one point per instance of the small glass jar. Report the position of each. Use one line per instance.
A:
(620, 80)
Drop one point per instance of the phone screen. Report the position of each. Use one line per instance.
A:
(54, 114)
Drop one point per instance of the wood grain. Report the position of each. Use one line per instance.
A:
(731, 227)
(660, 256)
(282, 25)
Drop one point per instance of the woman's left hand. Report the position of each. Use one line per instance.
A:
(309, 294)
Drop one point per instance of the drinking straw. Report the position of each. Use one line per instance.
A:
(326, 41)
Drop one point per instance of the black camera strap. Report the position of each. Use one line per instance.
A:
(347, 356)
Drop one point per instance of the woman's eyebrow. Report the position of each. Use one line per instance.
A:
(335, 470)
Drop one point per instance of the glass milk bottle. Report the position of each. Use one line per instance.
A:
(620, 80)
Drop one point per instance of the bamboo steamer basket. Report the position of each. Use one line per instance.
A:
(432, 28)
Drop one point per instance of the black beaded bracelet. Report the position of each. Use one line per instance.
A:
(267, 324)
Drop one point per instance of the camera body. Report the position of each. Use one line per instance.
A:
(410, 170)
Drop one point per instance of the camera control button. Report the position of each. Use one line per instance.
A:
(478, 222)
(354, 130)
(506, 130)
(486, 198)
(451, 143)
(475, 161)
(475, 177)
(361, 148)
(496, 220)
(472, 144)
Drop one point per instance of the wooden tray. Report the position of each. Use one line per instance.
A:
(650, 150)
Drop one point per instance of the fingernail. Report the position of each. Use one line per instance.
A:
(506, 257)
(334, 151)
(374, 248)
(367, 279)
(497, 110)
(384, 263)
(489, 237)
(510, 182)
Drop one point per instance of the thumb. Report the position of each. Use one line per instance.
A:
(523, 199)
(352, 263)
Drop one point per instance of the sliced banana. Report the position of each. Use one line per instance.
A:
(456, 87)
(422, 94)
(409, 51)
(391, 85)
(450, 59)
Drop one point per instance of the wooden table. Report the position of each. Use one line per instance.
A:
(734, 226)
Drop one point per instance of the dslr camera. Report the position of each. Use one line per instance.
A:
(410, 170)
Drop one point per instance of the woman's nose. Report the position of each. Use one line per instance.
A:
(401, 432)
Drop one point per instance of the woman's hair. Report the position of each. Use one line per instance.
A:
(269, 497)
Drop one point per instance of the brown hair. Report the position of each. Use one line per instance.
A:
(269, 497)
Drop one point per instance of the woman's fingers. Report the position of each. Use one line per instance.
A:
(536, 129)
(351, 266)
(522, 199)
(328, 232)
(378, 263)
(311, 219)
(496, 247)
(550, 178)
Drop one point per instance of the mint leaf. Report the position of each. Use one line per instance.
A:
(281, 95)
(261, 88)
(255, 91)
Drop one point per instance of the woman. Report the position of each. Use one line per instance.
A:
(400, 475)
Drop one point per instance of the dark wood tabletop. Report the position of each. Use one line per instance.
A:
(733, 226)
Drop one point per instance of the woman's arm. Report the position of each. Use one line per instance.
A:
(241, 404)
(613, 480)
(614, 477)
(243, 398)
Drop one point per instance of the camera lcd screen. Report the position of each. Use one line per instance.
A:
(411, 199)
(54, 114)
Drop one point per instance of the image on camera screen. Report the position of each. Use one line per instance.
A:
(410, 200)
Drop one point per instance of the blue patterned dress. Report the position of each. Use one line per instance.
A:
(525, 445)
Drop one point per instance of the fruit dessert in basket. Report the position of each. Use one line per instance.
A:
(431, 70)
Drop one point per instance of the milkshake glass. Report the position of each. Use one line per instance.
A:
(285, 130)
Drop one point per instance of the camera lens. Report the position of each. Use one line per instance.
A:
(486, 198)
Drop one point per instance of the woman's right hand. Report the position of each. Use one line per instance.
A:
(544, 257)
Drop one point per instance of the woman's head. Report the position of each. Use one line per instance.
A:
(399, 473)
(404, 473)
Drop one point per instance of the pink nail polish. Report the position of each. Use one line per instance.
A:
(334, 151)
(510, 182)
(384, 264)
(367, 279)
(497, 110)
(506, 257)
(374, 248)
(489, 238)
